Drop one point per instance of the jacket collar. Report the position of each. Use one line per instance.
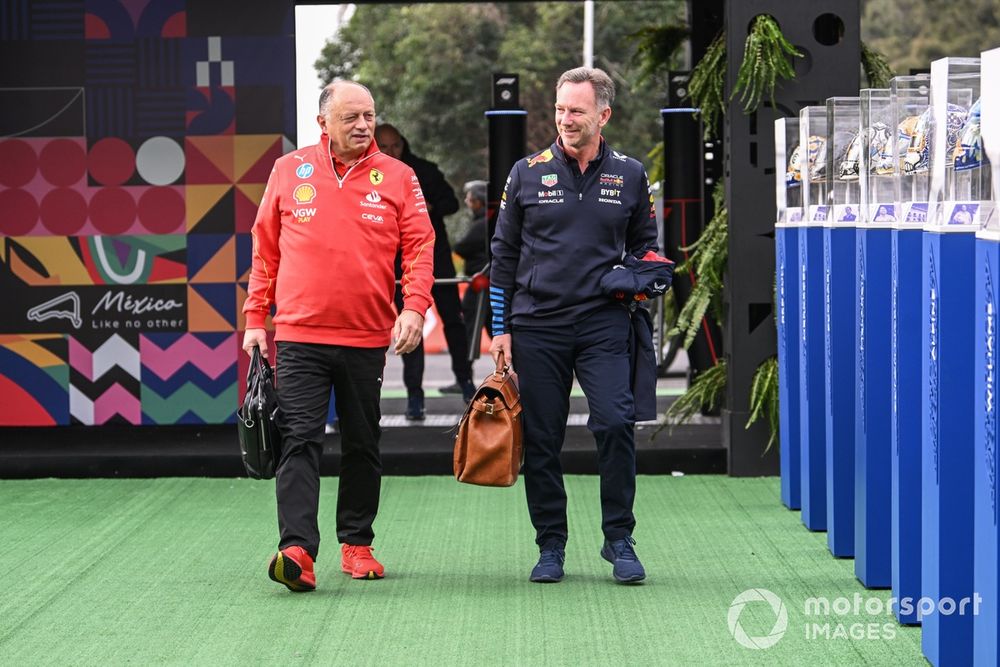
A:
(331, 160)
(559, 152)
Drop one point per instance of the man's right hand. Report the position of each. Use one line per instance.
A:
(255, 338)
(500, 344)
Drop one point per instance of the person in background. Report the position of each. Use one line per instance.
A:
(472, 248)
(325, 261)
(441, 201)
(568, 215)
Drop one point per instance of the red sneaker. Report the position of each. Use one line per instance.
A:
(357, 561)
(293, 567)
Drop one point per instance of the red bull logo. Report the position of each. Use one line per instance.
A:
(544, 156)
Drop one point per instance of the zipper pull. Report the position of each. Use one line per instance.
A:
(581, 196)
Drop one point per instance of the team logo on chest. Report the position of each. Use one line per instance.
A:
(375, 176)
(548, 180)
(304, 194)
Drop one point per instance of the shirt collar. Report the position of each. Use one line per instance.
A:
(339, 167)
(559, 152)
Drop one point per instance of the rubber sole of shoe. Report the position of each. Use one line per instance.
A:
(287, 572)
(545, 579)
(635, 579)
(370, 574)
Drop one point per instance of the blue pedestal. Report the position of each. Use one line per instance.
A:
(985, 575)
(907, 277)
(839, 312)
(947, 313)
(812, 378)
(873, 411)
(787, 277)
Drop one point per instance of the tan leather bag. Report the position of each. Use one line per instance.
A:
(488, 445)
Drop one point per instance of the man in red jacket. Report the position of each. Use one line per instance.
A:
(332, 218)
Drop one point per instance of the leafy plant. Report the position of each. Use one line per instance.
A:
(706, 266)
(707, 85)
(764, 398)
(767, 57)
(705, 393)
(876, 67)
(655, 48)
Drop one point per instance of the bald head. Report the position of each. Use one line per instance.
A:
(347, 117)
(329, 91)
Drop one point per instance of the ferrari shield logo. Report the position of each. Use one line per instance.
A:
(375, 176)
(548, 180)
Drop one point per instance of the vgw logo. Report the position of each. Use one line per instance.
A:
(304, 215)
(780, 619)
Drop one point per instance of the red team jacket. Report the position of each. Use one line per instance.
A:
(335, 240)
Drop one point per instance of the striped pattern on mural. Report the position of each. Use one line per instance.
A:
(104, 380)
(189, 378)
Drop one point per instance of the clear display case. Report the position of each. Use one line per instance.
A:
(910, 101)
(990, 110)
(959, 182)
(788, 172)
(813, 165)
(843, 122)
(874, 151)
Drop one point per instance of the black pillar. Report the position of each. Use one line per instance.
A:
(827, 32)
(507, 122)
(683, 218)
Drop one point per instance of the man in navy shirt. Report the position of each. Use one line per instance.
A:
(567, 216)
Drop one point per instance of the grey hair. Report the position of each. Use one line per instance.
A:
(477, 189)
(330, 88)
(604, 86)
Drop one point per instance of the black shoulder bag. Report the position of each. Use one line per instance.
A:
(257, 421)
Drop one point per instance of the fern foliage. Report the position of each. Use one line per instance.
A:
(764, 398)
(766, 58)
(706, 265)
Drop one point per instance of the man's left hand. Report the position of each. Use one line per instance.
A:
(407, 331)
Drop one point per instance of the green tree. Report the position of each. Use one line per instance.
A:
(912, 34)
(429, 67)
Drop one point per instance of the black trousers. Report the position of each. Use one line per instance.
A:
(450, 309)
(469, 315)
(545, 358)
(305, 373)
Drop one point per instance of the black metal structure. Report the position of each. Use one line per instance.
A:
(827, 32)
(686, 189)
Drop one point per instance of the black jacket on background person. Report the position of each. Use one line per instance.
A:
(441, 201)
(472, 246)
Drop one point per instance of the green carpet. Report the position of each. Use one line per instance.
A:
(173, 571)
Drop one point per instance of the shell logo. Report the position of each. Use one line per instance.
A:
(304, 194)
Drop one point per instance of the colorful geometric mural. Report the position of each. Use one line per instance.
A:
(104, 379)
(34, 380)
(188, 378)
(127, 193)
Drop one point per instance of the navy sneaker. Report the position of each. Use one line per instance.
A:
(549, 568)
(468, 390)
(628, 569)
(415, 408)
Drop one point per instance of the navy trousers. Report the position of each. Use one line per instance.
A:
(596, 348)
(305, 373)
